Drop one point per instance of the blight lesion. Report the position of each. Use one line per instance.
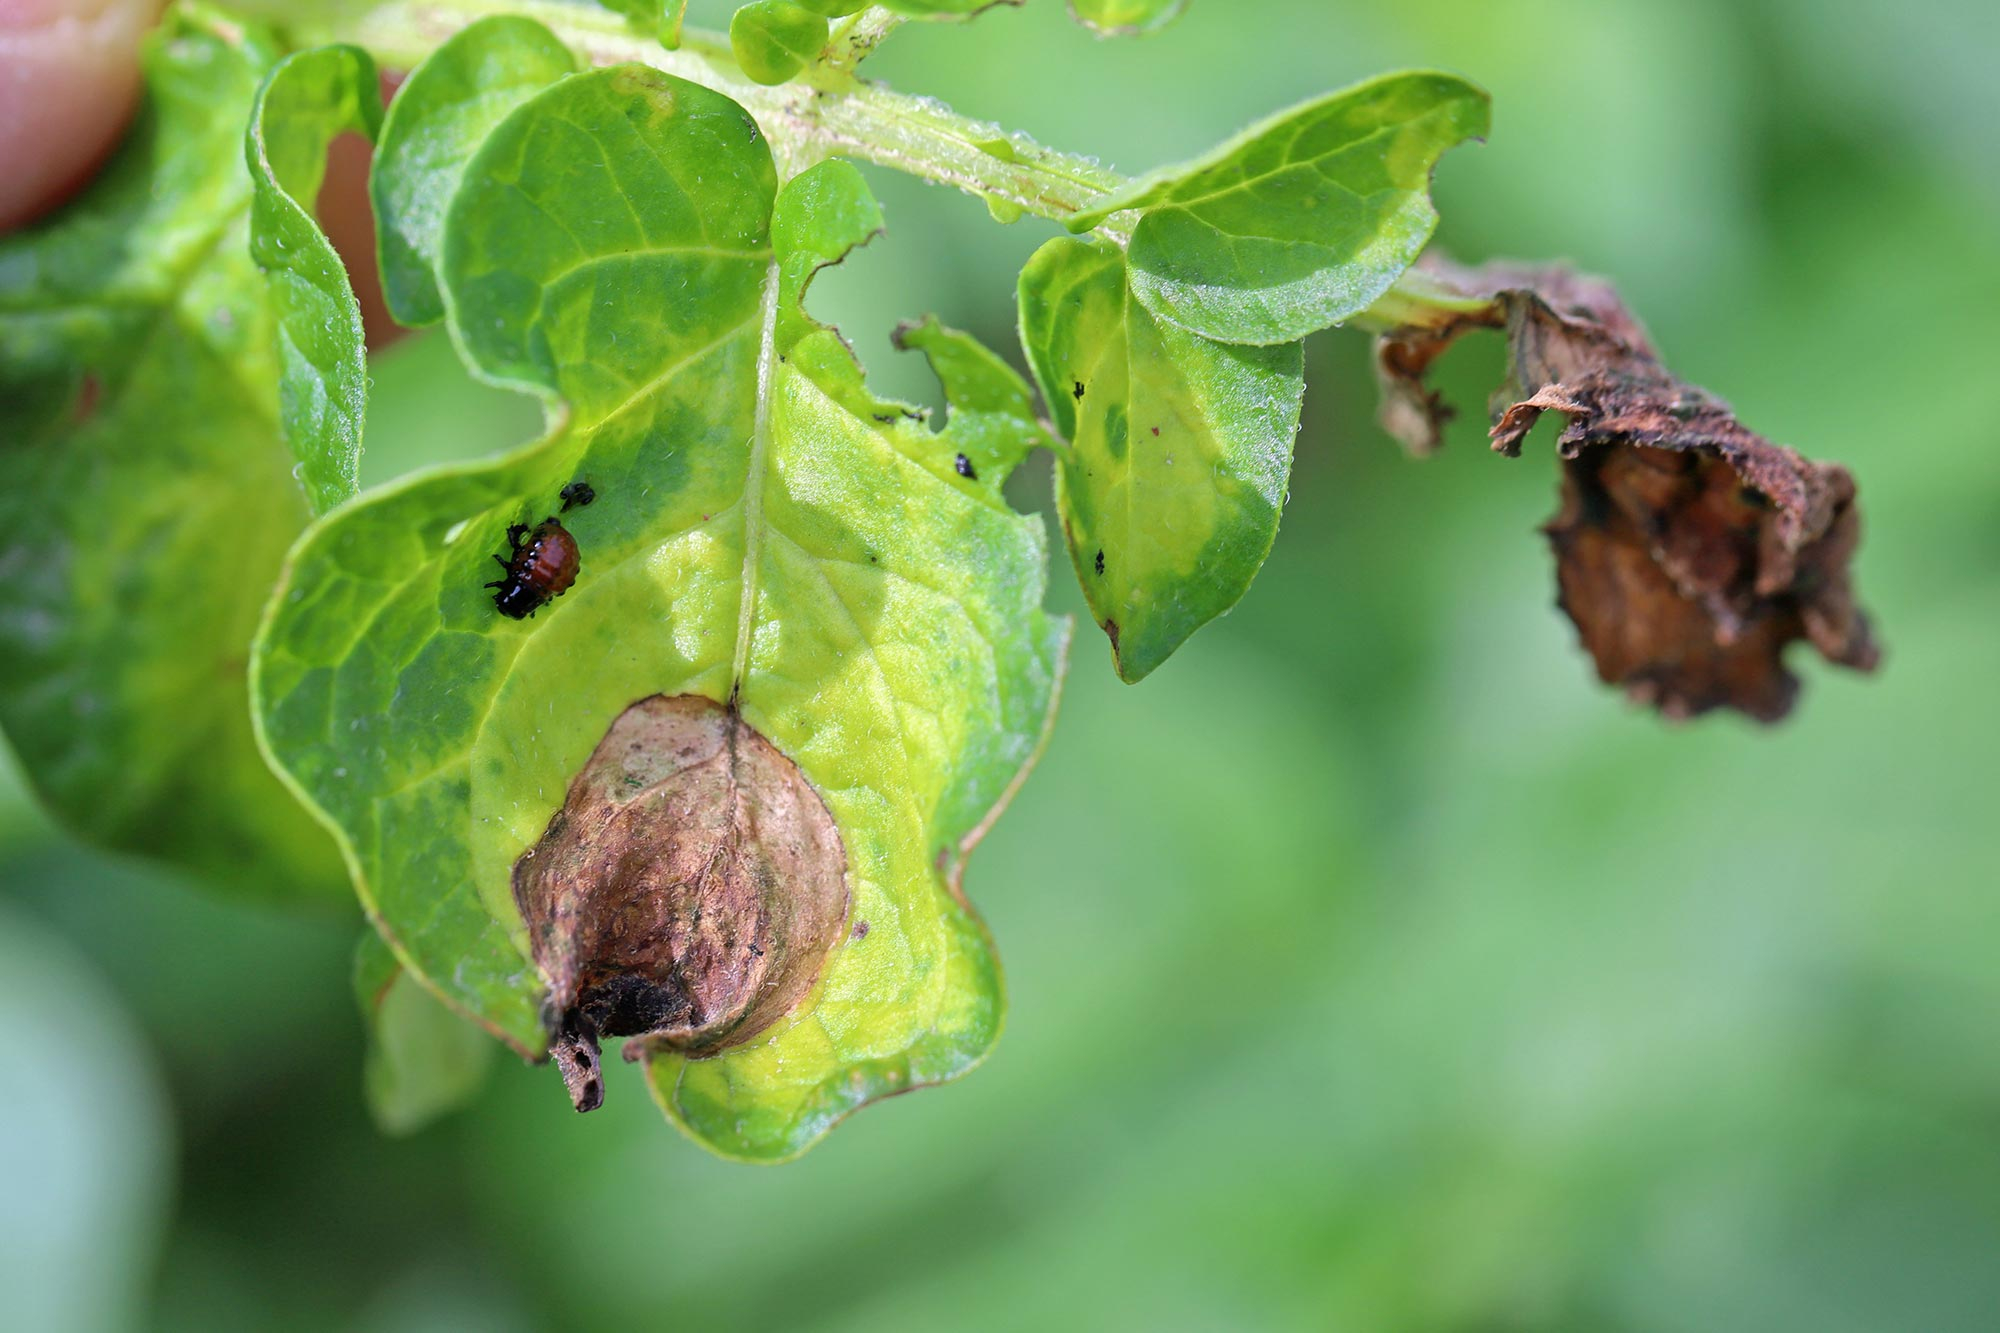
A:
(687, 893)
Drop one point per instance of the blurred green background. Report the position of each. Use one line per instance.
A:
(1371, 967)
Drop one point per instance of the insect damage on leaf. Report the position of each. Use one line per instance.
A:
(686, 893)
(1690, 551)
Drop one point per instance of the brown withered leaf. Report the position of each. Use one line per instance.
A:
(1690, 551)
(685, 895)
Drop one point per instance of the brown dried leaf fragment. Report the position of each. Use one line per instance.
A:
(1690, 552)
(685, 895)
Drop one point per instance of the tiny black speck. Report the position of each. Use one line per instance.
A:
(577, 493)
(1100, 562)
(964, 466)
(1078, 390)
(1156, 430)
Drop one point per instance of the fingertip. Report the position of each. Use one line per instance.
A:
(69, 76)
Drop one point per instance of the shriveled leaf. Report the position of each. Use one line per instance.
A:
(424, 1061)
(440, 116)
(775, 39)
(1180, 450)
(1299, 222)
(765, 536)
(148, 498)
(307, 100)
(1126, 18)
(1690, 551)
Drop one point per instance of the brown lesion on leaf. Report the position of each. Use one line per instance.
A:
(686, 894)
(1690, 551)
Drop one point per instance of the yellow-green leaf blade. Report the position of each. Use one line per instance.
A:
(755, 538)
(1180, 449)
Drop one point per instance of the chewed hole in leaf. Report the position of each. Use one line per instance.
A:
(687, 892)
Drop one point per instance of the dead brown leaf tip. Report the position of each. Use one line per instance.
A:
(685, 895)
(1690, 551)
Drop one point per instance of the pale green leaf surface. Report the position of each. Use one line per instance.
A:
(1180, 450)
(439, 117)
(775, 39)
(424, 1061)
(307, 100)
(873, 614)
(1299, 222)
(148, 498)
(1126, 18)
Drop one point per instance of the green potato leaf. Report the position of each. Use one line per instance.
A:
(1126, 18)
(148, 498)
(775, 39)
(440, 116)
(766, 535)
(424, 1061)
(307, 100)
(1299, 222)
(1180, 449)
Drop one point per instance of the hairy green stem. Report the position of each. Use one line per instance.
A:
(828, 111)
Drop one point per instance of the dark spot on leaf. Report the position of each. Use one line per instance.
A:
(963, 465)
(1077, 392)
(1690, 551)
(576, 494)
(886, 418)
(691, 910)
(860, 930)
(1111, 629)
(1100, 562)
(1156, 432)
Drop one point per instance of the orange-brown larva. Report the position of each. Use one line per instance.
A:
(541, 563)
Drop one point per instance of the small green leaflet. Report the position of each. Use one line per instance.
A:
(424, 1061)
(765, 531)
(1126, 18)
(657, 18)
(775, 39)
(305, 102)
(440, 116)
(1302, 221)
(148, 498)
(1180, 450)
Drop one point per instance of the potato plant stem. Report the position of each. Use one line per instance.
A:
(828, 110)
